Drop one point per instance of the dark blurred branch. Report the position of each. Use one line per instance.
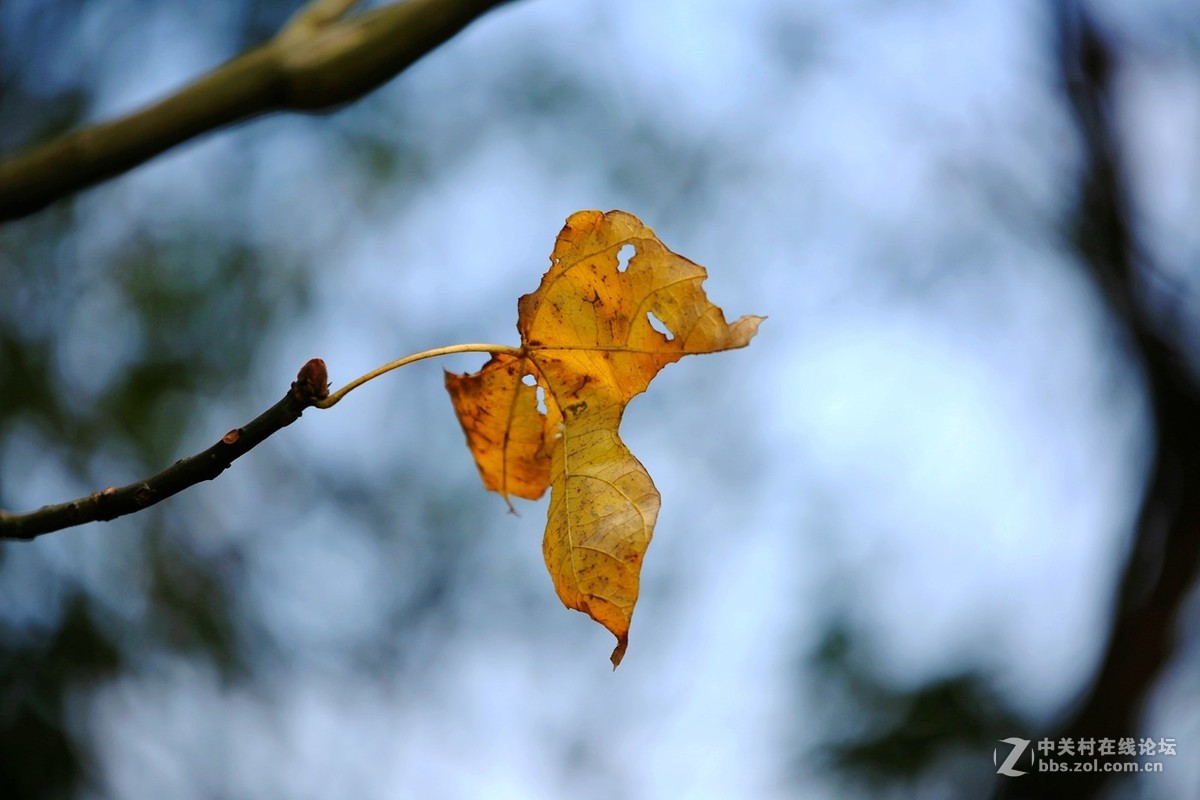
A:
(321, 59)
(1164, 562)
(310, 387)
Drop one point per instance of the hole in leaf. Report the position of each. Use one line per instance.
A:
(659, 326)
(529, 380)
(624, 255)
(541, 401)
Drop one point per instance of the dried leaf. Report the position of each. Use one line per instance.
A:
(504, 429)
(589, 340)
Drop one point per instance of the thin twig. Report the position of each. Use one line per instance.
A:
(310, 387)
(321, 59)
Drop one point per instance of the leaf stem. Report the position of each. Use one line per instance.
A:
(332, 400)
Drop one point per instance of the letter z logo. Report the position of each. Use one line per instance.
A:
(1018, 748)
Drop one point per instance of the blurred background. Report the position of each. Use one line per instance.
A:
(905, 523)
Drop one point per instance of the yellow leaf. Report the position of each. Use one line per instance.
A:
(588, 340)
(504, 429)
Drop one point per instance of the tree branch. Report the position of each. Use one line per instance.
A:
(1164, 563)
(310, 387)
(321, 59)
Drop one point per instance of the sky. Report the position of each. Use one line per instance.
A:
(934, 436)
